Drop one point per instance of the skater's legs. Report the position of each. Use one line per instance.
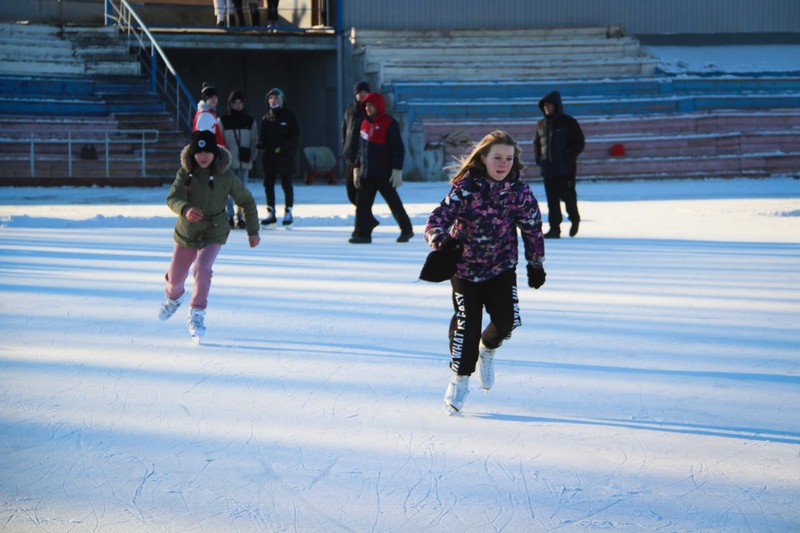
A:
(178, 271)
(202, 272)
(502, 306)
(392, 199)
(365, 198)
(269, 189)
(465, 326)
(552, 190)
(288, 190)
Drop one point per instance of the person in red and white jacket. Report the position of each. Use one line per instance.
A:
(378, 168)
(205, 119)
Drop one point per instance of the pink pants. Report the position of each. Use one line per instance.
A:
(182, 259)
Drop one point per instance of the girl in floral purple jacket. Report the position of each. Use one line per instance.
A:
(479, 218)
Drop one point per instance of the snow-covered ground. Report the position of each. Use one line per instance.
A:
(723, 59)
(653, 386)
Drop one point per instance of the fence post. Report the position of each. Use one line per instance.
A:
(143, 156)
(69, 154)
(153, 68)
(33, 157)
(107, 156)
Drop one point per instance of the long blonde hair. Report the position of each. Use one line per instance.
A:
(481, 149)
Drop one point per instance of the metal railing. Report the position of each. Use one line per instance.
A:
(103, 138)
(164, 79)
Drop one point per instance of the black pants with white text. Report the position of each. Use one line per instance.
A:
(499, 297)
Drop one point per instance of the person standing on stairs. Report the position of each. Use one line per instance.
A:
(279, 136)
(205, 119)
(557, 142)
(240, 131)
(222, 10)
(272, 15)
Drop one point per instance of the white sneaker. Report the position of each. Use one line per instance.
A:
(456, 393)
(168, 308)
(196, 326)
(486, 366)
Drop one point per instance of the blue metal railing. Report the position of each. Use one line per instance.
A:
(164, 79)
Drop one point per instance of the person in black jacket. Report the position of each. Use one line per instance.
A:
(557, 142)
(379, 168)
(279, 135)
(351, 128)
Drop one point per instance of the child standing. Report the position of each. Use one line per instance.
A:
(198, 197)
(480, 215)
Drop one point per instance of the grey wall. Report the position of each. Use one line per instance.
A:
(638, 16)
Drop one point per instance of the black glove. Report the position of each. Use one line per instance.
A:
(536, 276)
(449, 244)
(440, 265)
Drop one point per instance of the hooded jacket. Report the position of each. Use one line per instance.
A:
(381, 147)
(240, 131)
(557, 141)
(214, 227)
(484, 214)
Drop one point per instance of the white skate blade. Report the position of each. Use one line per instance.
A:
(196, 339)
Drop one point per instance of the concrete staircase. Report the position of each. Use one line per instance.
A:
(79, 86)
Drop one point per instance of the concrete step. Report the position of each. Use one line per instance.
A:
(718, 122)
(448, 90)
(509, 36)
(392, 71)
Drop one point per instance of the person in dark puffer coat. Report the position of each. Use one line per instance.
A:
(557, 142)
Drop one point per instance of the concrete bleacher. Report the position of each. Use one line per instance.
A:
(449, 88)
(78, 87)
(710, 143)
(385, 57)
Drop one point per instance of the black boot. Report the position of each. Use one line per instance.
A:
(573, 230)
(554, 233)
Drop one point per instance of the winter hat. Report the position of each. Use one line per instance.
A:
(203, 141)
(208, 91)
(236, 94)
(360, 86)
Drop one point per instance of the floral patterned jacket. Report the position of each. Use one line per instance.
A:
(484, 215)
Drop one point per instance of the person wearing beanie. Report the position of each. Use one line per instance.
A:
(240, 132)
(198, 195)
(278, 141)
(351, 126)
(206, 116)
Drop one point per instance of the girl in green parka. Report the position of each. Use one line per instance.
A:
(198, 197)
